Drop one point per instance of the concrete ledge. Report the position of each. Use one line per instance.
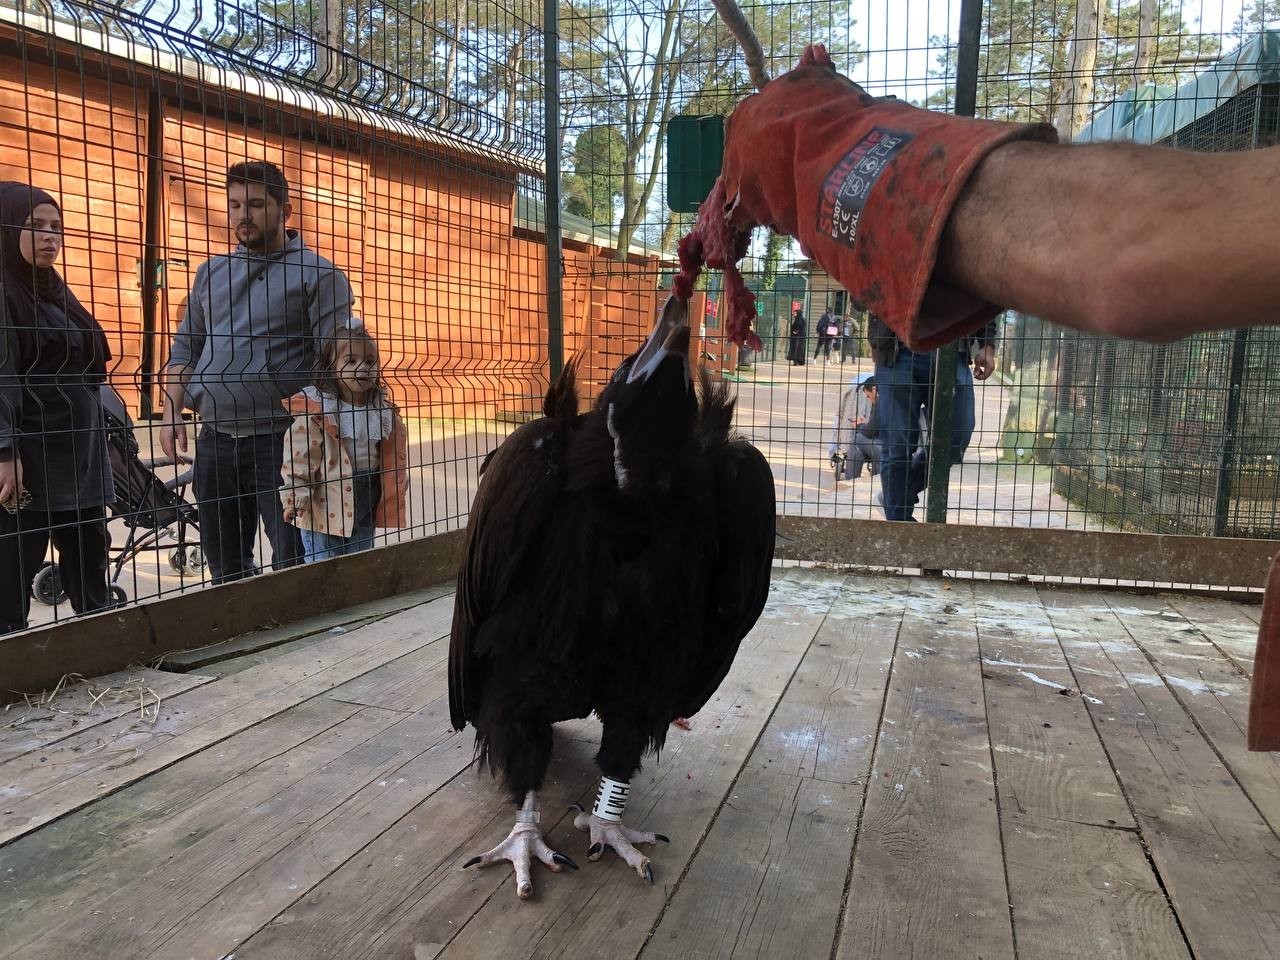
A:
(1148, 557)
(35, 659)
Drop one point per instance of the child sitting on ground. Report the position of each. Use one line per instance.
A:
(345, 458)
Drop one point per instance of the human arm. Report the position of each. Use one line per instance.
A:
(173, 430)
(303, 454)
(984, 358)
(1146, 243)
(11, 396)
(984, 362)
(10, 480)
(188, 343)
(330, 305)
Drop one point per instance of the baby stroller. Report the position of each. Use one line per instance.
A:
(156, 511)
(842, 431)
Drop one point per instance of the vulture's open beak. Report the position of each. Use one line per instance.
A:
(670, 337)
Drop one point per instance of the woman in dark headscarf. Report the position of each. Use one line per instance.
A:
(796, 351)
(55, 477)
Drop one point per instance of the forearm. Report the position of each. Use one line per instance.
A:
(175, 391)
(1140, 242)
(11, 398)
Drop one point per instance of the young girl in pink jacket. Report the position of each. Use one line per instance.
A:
(345, 458)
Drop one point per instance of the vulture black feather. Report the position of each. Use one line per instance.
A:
(614, 560)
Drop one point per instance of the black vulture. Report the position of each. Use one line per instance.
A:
(614, 560)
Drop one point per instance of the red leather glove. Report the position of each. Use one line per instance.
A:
(866, 185)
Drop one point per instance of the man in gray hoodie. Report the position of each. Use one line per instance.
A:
(250, 338)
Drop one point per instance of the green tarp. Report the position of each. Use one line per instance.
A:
(1149, 115)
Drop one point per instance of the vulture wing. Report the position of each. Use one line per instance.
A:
(739, 585)
(519, 484)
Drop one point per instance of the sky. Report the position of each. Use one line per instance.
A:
(898, 31)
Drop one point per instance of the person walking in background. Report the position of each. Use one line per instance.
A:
(247, 341)
(848, 339)
(828, 331)
(55, 475)
(345, 461)
(797, 352)
(905, 386)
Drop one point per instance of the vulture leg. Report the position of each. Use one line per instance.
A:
(523, 843)
(619, 759)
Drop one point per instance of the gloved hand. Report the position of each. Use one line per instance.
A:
(866, 185)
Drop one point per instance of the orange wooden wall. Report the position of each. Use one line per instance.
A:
(84, 141)
(426, 238)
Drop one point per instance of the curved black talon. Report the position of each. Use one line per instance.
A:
(564, 861)
(594, 849)
(472, 862)
(577, 806)
(658, 836)
(648, 873)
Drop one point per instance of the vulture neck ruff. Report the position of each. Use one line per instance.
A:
(619, 468)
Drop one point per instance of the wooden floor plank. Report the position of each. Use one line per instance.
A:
(249, 900)
(928, 873)
(337, 621)
(405, 896)
(1217, 859)
(1070, 840)
(786, 831)
(1049, 760)
(235, 878)
(53, 873)
(419, 903)
(1211, 689)
(81, 768)
(1250, 611)
(81, 704)
(1225, 625)
(1082, 891)
(407, 683)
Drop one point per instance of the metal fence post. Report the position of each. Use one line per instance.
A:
(551, 210)
(942, 404)
(1227, 456)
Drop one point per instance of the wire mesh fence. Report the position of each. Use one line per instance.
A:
(1072, 430)
(411, 139)
(402, 144)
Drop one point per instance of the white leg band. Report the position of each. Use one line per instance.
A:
(528, 813)
(611, 799)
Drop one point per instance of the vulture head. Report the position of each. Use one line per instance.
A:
(649, 405)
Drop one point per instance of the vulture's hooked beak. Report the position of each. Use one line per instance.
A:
(670, 337)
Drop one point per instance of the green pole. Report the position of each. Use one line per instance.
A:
(943, 401)
(551, 211)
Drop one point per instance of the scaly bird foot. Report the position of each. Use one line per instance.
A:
(522, 844)
(620, 839)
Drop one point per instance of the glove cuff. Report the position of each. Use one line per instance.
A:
(887, 261)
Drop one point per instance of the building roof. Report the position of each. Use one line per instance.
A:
(1150, 115)
(147, 53)
(531, 215)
